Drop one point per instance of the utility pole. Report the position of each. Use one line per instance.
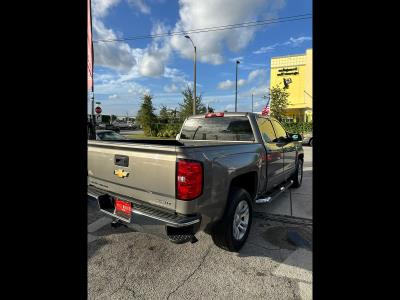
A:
(194, 101)
(194, 87)
(237, 62)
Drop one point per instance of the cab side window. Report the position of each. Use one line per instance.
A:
(279, 130)
(266, 130)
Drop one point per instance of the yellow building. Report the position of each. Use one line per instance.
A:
(294, 73)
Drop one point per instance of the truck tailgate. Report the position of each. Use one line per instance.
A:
(143, 172)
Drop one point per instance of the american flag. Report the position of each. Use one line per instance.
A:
(266, 110)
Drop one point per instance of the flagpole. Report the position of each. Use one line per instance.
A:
(92, 126)
(91, 41)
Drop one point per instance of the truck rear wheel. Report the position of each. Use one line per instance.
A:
(231, 232)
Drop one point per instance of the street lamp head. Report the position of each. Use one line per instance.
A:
(238, 62)
(186, 36)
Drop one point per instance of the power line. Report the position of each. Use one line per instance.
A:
(210, 29)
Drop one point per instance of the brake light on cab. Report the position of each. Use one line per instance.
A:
(189, 180)
(213, 115)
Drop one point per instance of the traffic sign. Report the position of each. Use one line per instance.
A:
(98, 110)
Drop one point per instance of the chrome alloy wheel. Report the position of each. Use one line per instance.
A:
(241, 220)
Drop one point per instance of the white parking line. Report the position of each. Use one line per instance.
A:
(96, 225)
(307, 169)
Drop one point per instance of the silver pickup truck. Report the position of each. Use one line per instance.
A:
(208, 179)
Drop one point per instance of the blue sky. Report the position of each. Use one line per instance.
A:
(163, 66)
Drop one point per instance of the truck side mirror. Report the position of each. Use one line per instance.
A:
(295, 137)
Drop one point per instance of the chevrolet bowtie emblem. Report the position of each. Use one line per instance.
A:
(121, 173)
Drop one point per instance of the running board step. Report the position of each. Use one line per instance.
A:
(267, 199)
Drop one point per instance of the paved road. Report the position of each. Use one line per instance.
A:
(124, 264)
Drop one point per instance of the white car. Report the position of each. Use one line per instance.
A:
(108, 135)
(307, 139)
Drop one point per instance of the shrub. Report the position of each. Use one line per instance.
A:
(299, 127)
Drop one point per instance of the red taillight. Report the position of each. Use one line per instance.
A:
(189, 180)
(212, 115)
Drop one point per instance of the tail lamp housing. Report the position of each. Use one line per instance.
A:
(189, 179)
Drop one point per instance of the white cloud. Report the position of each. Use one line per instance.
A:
(100, 7)
(196, 14)
(117, 56)
(229, 84)
(103, 77)
(295, 42)
(241, 82)
(133, 62)
(292, 42)
(152, 63)
(151, 66)
(178, 78)
(121, 88)
(256, 73)
(171, 88)
(258, 90)
(263, 50)
(114, 96)
(229, 107)
(140, 5)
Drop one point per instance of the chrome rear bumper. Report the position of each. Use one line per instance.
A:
(106, 205)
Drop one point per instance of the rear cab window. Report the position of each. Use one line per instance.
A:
(235, 128)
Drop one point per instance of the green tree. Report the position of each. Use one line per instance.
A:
(105, 119)
(146, 116)
(165, 115)
(279, 102)
(187, 106)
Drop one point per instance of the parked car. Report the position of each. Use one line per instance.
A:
(124, 125)
(308, 139)
(209, 179)
(109, 135)
(105, 126)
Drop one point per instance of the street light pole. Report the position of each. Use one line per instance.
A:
(93, 117)
(237, 62)
(194, 88)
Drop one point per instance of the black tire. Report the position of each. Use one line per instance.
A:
(310, 142)
(295, 177)
(222, 233)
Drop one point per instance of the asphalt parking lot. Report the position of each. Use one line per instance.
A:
(125, 264)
